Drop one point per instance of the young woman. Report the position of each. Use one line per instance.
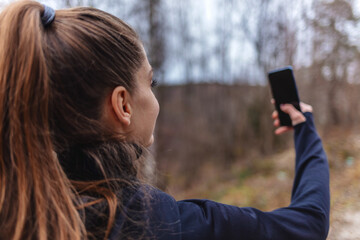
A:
(77, 113)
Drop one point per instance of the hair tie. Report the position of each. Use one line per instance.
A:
(48, 16)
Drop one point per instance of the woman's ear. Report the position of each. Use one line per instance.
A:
(120, 102)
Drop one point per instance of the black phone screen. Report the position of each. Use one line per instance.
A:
(284, 90)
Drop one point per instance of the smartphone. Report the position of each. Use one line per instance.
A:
(284, 90)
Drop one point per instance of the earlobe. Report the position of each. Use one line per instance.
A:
(120, 101)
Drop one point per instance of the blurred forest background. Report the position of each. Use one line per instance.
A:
(214, 135)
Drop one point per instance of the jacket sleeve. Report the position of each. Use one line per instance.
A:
(307, 217)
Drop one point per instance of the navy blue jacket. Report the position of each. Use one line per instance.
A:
(307, 217)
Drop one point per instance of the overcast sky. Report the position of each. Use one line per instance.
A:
(205, 16)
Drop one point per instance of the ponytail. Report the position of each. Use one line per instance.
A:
(37, 200)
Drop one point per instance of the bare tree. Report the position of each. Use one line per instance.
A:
(224, 30)
(333, 52)
(273, 35)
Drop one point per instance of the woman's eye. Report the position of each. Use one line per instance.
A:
(154, 82)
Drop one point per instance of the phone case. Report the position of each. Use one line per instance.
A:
(284, 90)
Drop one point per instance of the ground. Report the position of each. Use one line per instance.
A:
(266, 183)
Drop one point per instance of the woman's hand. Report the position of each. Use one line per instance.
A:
(296, 116)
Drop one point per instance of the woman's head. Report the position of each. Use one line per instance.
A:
(135, 114)
(83, 79)
(89, 54)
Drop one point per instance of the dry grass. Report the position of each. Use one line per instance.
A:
(265, 183)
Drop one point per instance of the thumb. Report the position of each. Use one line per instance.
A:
(295, 115)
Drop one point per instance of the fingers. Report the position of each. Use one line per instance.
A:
(282, 130)
(274, 115)
(279, 130)
(305, 107)
(289, 109)
(296, 116)
(276, 123)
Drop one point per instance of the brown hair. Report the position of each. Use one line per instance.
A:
(53, 84)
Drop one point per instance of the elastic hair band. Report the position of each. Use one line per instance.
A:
(48, 16)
